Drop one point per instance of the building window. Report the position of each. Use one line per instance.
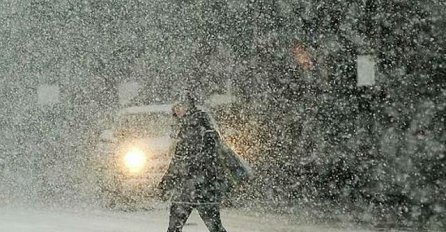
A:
(48, 94)
(366, 70)
(127, 91)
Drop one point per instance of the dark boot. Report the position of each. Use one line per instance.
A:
(179, 213)
(211, 217)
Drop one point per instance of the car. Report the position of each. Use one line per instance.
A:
(134, 154)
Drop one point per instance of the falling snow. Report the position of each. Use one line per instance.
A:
(338, 107)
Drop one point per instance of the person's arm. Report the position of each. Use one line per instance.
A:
(209, 134)
(208, 144)
(168, 180)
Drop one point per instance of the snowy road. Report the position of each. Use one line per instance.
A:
(33, 220)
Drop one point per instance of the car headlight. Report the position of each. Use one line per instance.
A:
(135, 160)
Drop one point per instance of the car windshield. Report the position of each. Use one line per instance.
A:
(144, 125)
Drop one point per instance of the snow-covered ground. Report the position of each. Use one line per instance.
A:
(22, 219)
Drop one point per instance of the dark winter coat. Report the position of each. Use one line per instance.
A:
(195, 173)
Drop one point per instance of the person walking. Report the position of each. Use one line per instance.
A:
(195, 176)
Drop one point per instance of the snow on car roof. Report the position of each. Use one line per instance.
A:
(161, 108)
(214, 100)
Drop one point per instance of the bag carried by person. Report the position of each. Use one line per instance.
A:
(235, 168)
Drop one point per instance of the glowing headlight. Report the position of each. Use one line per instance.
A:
(135, 160)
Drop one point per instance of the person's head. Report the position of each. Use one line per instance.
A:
(186, 104)
(179, 110)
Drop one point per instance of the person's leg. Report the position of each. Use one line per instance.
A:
(179, 213)
(211, 217)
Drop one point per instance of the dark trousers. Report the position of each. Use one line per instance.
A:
(209, 213)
